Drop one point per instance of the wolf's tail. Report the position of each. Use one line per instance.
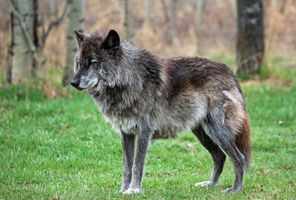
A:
(243, 141)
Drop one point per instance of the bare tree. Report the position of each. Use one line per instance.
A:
(166, 13)
(10, 49)
(35, 64)
(198, 17)
(25, 46)
(54, 22)
(250, 36)
(128, 22)
(147, 9)
(173, 18)
(22, 46)
(54, 8)
(75, 22)
(170, 17)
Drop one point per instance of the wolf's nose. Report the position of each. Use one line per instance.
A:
(75, 83)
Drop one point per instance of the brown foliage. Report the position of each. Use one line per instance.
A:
(217, 31)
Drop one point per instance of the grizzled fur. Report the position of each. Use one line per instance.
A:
(143, 95)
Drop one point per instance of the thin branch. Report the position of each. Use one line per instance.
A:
(54, 23)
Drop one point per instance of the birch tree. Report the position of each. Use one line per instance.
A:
(26, 45)
(173, 18)
(250, 36)
(128, 22)
(22, 46)
(198, 17)
(75, 19)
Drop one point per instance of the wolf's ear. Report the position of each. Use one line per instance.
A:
(80, 36)
(112, 40)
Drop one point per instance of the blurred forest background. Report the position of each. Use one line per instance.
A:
(55, 145)
(206, 28)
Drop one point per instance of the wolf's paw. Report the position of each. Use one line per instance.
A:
(132, 191)
(232, 190)
(123, 189)
(205, 184)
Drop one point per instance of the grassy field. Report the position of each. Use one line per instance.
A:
(63, 149)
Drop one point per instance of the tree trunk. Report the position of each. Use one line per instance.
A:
(128, 23)
(250, 36)
(147, 9)
(75, 22)
(54, 9)
(198, 16)
(10, 49)
(35, 63)
(173, 19)
(22, 55)
(167, 32)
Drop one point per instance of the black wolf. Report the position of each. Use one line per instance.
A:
(143, 95)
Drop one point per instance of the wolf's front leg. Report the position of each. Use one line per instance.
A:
(139, 160)
(128, 144)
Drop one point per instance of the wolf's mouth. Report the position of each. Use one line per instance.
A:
(94, 87)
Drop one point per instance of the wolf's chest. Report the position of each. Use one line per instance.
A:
(121, 110)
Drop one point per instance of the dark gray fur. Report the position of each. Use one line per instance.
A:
(142, 95)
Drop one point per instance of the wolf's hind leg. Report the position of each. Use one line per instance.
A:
(217, 155)
(128, 144)
(214, 126)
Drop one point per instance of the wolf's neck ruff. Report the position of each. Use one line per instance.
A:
(128, 93)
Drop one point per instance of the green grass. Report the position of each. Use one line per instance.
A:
(64, 149)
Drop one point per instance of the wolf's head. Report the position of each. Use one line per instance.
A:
(96, 60)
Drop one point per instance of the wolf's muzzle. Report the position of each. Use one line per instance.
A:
(75, 83)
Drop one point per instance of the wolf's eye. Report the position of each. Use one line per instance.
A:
(92, 61)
